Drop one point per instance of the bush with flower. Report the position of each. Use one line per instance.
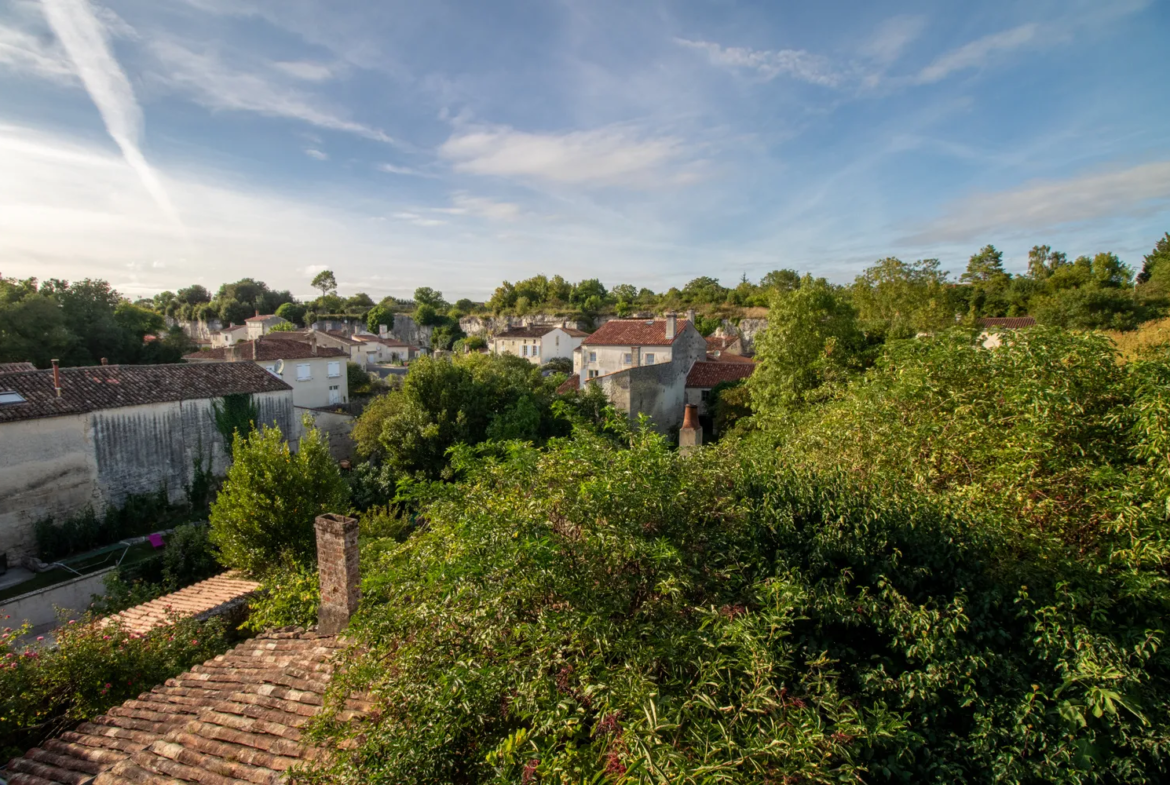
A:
(47, 686)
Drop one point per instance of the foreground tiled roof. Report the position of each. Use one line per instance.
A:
(16, 367)
(1007, 322)
(234, 719)
(200, 600)
(634, 332)
(570, 384)
(706, 375)
(267, 348)
(112, 386)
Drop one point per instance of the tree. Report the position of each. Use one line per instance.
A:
(465, 305)
(1158, 258)
(193, 295)
(590, 287)
(293, 312)
(426, 316)
(283, 327)
(704, 290)
(896, 299)
(425, 295)
(326, 282)
(985, 267)
(1043, 261)
(812, 339)
(379, 316)
(359, 303)
(264, 515)
(782, 280)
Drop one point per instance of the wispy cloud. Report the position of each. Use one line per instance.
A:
(770, 63)
(1047, 203)
(403, 170)
(212, 84)
(306, 70)
(608, 156)
(24, 52)
(977, 53)
(891, 38)
(418, 220)
(84, 39)
(465, 204)
(312, 152)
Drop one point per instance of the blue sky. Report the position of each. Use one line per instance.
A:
(157, 143)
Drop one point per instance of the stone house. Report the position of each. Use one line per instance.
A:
(74, 437)
(315, 373)
(229, 336)
(262, 325)
(704, 375)
(539, 343)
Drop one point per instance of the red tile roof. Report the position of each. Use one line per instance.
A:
(392, 342)
(727, 357)
(97, 387)
(706, 375)
(719, 343)
(270, 347)
(236, 718)
(201, 599)
(1007, 322)
(16, 367)
(570, 384)
(264, 317)
(635, 332)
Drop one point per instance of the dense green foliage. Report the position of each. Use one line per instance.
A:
(594, 613)
(44, 690)
(263, 517)
(138, 514)
(186, 558)
(79, 324)
(234, 414)
(465, 400)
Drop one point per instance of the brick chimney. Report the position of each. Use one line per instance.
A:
(57, 378)
(690, 436)
(671, 325)
(337, 565)
(105, 361)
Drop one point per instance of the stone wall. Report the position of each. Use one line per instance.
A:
(406, 329)
(336, 428)
(55, 466)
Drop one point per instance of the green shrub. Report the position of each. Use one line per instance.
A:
(589, 613)
(289, 596)
(44, 690)
(188, 557)
(139, 514)
(264, 515)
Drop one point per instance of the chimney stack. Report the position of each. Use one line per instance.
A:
(57, 378)
(690, 436)
(313, 341)
(671, 325)
(337, 564)
(257, 312)
(105, 361)
(383, 330)
(691, 315)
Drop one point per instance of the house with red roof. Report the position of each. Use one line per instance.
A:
(316, 373)
(539, 343)
(706, 374)
(259, 325)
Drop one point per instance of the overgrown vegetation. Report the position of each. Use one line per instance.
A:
(264, 515)
(45, 690)
(139, 514)
(235, 413)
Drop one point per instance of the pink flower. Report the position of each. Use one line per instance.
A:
(40, 637)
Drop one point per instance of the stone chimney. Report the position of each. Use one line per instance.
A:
(690, 436)
(671, 325)
(383, 330)
(313, 341)
(691, 315)
(337, 565)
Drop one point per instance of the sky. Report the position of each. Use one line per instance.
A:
(161, 143)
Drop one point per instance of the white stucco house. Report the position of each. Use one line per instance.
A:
(262, 325)
(538, 343)
(229, 336)
(315, 373)
(76, 437)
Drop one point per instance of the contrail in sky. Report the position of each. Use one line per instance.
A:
(84, 39)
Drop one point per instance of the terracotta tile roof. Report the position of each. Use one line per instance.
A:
(97, 387)
(1007, 322)
(392, 342)
(201, 599)
(706, 375)
(570, 384)
(539, 331)
(575, 333)
(236, 718)
(727, 357)
(634, 332)
(16, 367)
(719, 343)
(269, 347)
(339, 335)
(264, 318)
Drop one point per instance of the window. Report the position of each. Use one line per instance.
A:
(628, 358)
(704, 395)
(524, 350)
(304, 372)
(650, 359)
(535, 350)
(593, 374)
(592, 357)
(334, 370)
(8, 396)
(334, 393)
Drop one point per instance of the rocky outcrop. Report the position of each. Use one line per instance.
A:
(747, 330)
(406, 329)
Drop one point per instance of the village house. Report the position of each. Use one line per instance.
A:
(719, 345)
(705, 375)
(379, 349)
(316, 373)
(641, 365)
(229, 336)
(262, 325)
(75, 437)
(539, 343)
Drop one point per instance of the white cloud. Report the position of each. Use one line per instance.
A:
(214, 85)
(769, 64)
(977, 53)
(84, 39)
(403, 170)
(1048, 203)
(418, 220)
(463, 203)
(24, 52)
(306, 70)
(607, 156)
(315, 153)
(891, 38)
